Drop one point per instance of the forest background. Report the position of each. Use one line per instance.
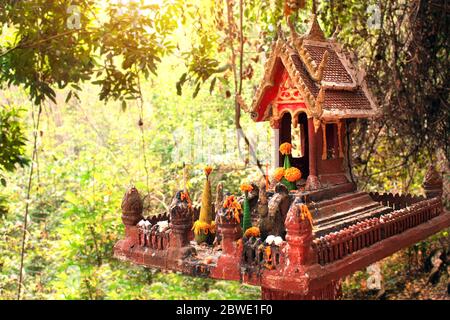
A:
(96, 96)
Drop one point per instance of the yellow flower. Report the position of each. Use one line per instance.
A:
(203, 226)
(208, 170)
(252, 232)
(212, 227)
(278, 174)
(286, 148)
(292, 174)
(246, 187)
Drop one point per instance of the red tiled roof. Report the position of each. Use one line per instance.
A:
(346, 100)
(310, 84)
(345, 96)
(334, 70)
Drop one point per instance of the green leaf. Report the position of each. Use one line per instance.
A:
(213, 83)
(196, 91)
(69, 95)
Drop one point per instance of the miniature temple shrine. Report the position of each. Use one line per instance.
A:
(297, 235)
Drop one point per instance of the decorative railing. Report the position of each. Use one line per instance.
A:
(165, 216)
(337, 245)
(154, 219)
(395, 201)
(398, 221)
(151, 237)
(256, 253)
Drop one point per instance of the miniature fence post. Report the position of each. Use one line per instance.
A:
(132, 208)
(292, 281)
(299, 237)
(180, 221)
(180, 213)
(228, 264)
(433, 183)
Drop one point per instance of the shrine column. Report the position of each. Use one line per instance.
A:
(312, 182)
(275, 124)
(275, 148)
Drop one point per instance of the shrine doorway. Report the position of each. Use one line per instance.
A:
(298, 137)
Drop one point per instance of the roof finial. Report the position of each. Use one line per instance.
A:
(279, 33)
(315, 31)
(314, 7)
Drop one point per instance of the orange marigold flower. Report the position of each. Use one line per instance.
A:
(305, 213)
(252, 232)
(237, 214)
(185, 196)
(246, 187)
(278, 174)
(268, 258)
(228, 201)
(231, 203)
(292, 174)
(286, 148)
(208, 170)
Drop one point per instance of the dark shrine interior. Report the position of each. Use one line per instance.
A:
(301, 137)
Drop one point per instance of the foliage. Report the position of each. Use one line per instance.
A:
(12, 141)
(89, 151)
(405, 55)
(61, 43)
(86, 159)
(404, 275)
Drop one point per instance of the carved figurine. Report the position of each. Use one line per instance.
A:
(433, 183)
(262, 207)
(273, 222)
(179, 207)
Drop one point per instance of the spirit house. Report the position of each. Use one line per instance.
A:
(310, 94)
(297, 235)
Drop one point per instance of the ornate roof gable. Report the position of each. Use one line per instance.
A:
(323, 74)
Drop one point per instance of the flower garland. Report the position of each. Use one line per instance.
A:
(287, 174)
(306, 214)
(278, 174)
(206, 228)
(292, 174)
(231, 203)
(252, 232)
